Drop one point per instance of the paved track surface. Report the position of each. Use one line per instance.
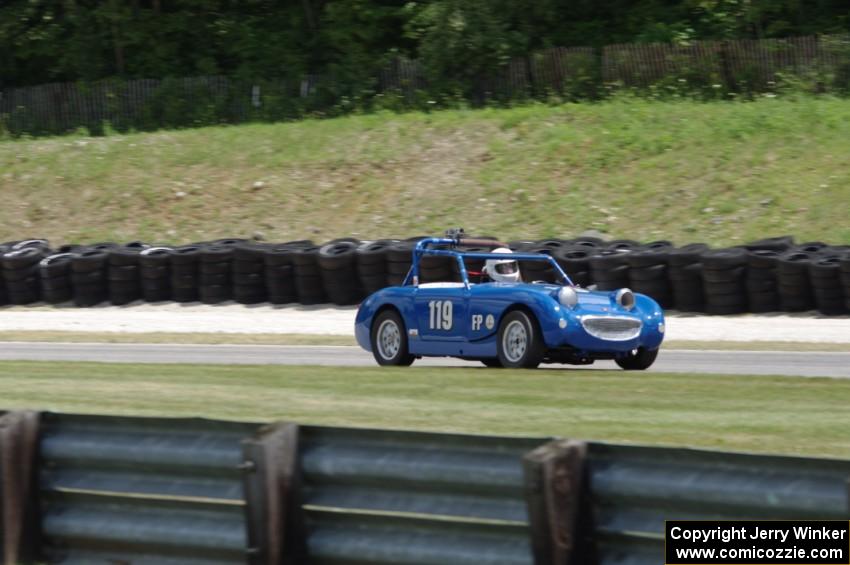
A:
(836, 364)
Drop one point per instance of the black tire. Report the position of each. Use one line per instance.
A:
(216, 254)
(735, 287)
(723, 259)
(214, 280)
(123, 273)
(248, 279)
(55, 266)
(776, 244)
(185, 255)
(648, 258)
(518, 326)
(278, 256)
(185, 294)
(723, 276)
(339, 255)
(638, 360)
(650, 273)
(156, 295)
(124, 256)
(56, 283)
(159, 272)
(373, 253)
(249, 251)
(157, 258)
(686, 255)
(249, 267)
(735, 299)
(10, 275)
(492, 362)
(392, 349)
(23, 257)
(214, 294)
(762, 259)
(619, 273)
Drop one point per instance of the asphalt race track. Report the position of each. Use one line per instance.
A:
(806, 364)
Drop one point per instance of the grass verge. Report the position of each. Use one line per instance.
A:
(313, 339)
(722, 172)
(764, 414)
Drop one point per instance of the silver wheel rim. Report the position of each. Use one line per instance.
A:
(389, 339)
(515, 341)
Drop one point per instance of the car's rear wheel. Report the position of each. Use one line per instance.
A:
(389, 340)
(638, 359)
(520, 344)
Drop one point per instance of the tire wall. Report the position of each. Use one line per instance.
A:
(770, 275)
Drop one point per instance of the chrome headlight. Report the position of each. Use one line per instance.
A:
(568, 297)
(625, 298)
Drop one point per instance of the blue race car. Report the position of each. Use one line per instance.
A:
(505, 322)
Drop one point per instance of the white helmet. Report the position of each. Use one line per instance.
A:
(502, 270)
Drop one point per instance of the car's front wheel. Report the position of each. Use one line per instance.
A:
(389, 340)
(638, 359)
(520, 344)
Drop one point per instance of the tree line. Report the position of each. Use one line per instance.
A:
(456, 40)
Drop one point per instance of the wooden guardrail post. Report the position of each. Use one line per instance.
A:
(553, 481)
(272, 481)
(19, 521)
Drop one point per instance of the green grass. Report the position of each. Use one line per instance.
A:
(721, 172)
(317, 339)
(765, 414)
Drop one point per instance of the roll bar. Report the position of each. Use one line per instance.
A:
(423, 248)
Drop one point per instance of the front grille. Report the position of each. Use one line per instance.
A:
(612, 328)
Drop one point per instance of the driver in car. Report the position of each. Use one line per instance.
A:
(502, 270)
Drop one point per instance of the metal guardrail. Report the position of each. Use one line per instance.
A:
(373, 496)
(634, 489)
(142, 490)
(153, 490)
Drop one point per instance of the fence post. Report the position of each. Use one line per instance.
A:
(272, 484)
(19, 522)
(553, 487)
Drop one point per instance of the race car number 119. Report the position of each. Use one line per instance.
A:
(440, 315)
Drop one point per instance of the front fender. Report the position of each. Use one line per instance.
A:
(399, 298)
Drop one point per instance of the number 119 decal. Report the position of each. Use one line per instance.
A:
(440, 315)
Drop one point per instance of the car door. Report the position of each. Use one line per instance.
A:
(442, 312)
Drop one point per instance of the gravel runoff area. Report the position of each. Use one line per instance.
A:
(320, 320)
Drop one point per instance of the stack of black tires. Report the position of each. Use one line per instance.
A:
(280, 271)
(125, 281)
(89, 270)
(55, 273)
(20, 262)
(184, 263)
(308, 275)
(338, 265)
(828, 285)
(763, 276)
(214, 272)
(372, 264)
(724, 280)
(249, 273)
(399, 258)
(155, 273)
(575, 261)
(609, 268)
(684, 271)
(844, 265)
(648, 272)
